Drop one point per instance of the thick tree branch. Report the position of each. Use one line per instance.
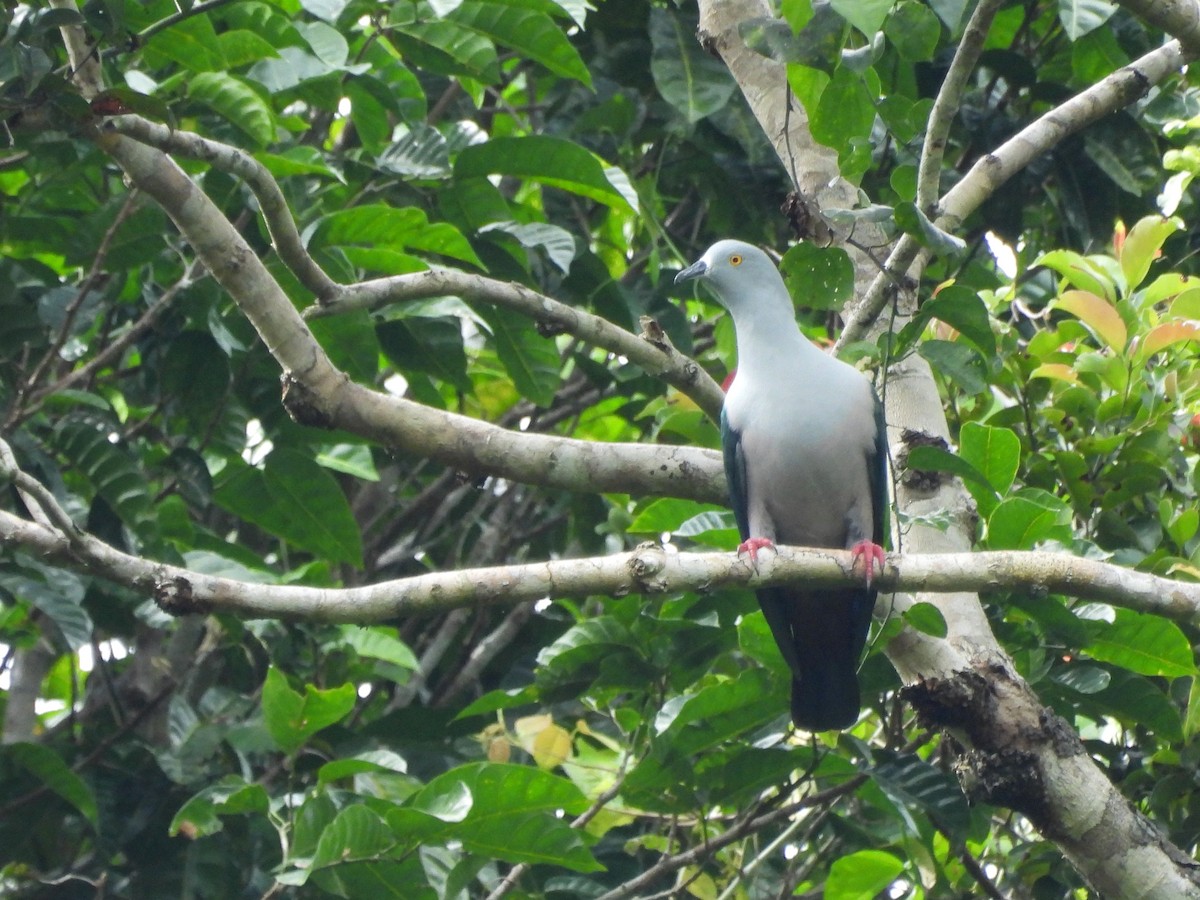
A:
(649, 569)
(948, 100)
(656, 358)
(652, 355)
(1178, 18)
(1115, 92)
(317, 394)
(278, 216)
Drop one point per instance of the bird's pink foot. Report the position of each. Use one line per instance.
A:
(753, 545)
(872, 554)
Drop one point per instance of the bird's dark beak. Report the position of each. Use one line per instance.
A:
(695, 270)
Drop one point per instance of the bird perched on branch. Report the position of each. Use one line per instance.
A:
(806, 461)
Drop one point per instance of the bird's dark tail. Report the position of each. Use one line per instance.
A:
(821, 636)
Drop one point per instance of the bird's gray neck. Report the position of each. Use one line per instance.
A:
(770, 341)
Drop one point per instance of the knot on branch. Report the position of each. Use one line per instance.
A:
(653, 334)
(646, 563)
(923, 481)
(175, 597)
(806, 220)
(301, 403)
(548, 328)
(1008, 777)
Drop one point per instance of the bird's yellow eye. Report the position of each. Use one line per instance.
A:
(735, 260)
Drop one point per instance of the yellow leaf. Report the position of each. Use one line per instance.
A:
(552, 747)
(1096, 313)
(1163, 336)
(1058, 371)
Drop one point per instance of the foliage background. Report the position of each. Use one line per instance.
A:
(566, 746)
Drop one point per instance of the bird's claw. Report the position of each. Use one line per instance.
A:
(872, 554)
(753, 545)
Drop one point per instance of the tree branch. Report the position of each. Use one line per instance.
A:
(1178, 18)
(949, 98)
(319, 395)
(1115, 92)
(649, 569)
(651, 354)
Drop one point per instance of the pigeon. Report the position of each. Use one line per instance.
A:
(806, 461)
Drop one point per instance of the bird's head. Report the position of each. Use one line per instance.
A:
(734, 270)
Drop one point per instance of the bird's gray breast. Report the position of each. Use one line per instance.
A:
(807, 459)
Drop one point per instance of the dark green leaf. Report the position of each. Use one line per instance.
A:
(241, 105)
(913, 30)
(430, 345)
(958, 363)
(531, 360)
(926, 618)
(818, 278)
(694, 82)
(49, 768)
(549, 160)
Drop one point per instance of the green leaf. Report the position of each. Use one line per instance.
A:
(57, 593)
(533, 34)
(866, 15)
(231, 796)
(1080, 271)
(961, 365)
(1138, 702)
(514, 815)
(996, 452)
(379, 642)
(292, 718)
(862, 875)
(447, 48)
(845, 112)
(557, 243)
(915, 784)
(229, 97)
(694, 82)
(962, 309)
(384, 761)
(1020, 522)
(668, 514)
(296, 161)
(718, 712)
(549, 160)
(297, 500)
(191, 42)
(111, 469)
(377, 225)
(1080, 17)
(351, 459)
(817, 277)
(914, 222)
(430, 345)
(531, 360)
(416, 151)
(49, 768)
(1142, 245)
(927, 458)
(926, 618)
(1142, 643)
(356, 833)
(913, 29)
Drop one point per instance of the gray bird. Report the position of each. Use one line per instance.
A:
(806, 461)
